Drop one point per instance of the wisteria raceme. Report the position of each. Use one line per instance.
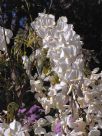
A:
(64, 46)
(64, 50)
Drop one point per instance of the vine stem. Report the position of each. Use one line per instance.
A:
(28, 8)
(50, 5)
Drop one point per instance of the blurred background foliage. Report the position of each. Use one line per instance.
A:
(85, 15)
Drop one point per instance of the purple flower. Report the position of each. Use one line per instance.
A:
(58, 128)
(21, 110)
(30, 115)
(33, 109)
(32, 118)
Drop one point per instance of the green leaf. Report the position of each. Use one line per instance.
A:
(11, 110)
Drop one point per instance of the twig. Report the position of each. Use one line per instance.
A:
(28, 10)
(50, 5)
(4, 36)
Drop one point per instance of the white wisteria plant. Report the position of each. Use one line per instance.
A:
(70, 100)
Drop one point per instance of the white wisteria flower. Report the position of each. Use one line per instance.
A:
(94, 132)
(13, 129)
(5, 36)
(25, 61)
(40, 131)
(3, 127)
(43, 24)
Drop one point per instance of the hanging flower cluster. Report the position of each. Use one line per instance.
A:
(64, 46)
(70, 95)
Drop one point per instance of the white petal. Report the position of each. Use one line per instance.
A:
(49, 118)
(94, 132)
(9, 132)
(40, 130)
(95, 70)
(15, 125)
